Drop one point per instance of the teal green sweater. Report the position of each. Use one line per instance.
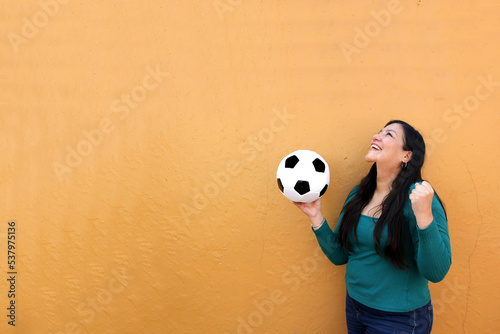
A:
(372, 280)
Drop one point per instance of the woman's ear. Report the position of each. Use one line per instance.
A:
(407, 156)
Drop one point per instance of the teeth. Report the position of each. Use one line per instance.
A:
(375, 147)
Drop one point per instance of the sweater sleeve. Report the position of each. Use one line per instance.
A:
(330, 245)
(329, 240)
(432, 247)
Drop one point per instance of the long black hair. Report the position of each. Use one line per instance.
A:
(392, 208)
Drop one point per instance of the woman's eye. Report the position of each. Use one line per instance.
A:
(390, 134)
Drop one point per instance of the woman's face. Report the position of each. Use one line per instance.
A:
(386, 148)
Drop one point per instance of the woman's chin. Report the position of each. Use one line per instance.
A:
(369, 158)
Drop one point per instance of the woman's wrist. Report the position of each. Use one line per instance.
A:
(317, 221)
(423, 221)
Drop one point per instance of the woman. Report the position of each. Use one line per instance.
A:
(393, 235)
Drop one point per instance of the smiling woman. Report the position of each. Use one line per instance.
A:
(392, 234)
(388, 148)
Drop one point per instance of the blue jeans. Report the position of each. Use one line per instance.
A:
(362, 319)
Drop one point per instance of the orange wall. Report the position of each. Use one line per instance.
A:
(140, 142)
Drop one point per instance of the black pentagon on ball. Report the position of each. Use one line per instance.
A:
(302, 187)
(280, 185)
(323, 191)
(290, 162)
(319, 165)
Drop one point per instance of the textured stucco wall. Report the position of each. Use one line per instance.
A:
(140, 142)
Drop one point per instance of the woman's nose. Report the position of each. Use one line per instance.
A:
(376, 136)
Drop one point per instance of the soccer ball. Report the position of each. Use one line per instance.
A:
(303, 176)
